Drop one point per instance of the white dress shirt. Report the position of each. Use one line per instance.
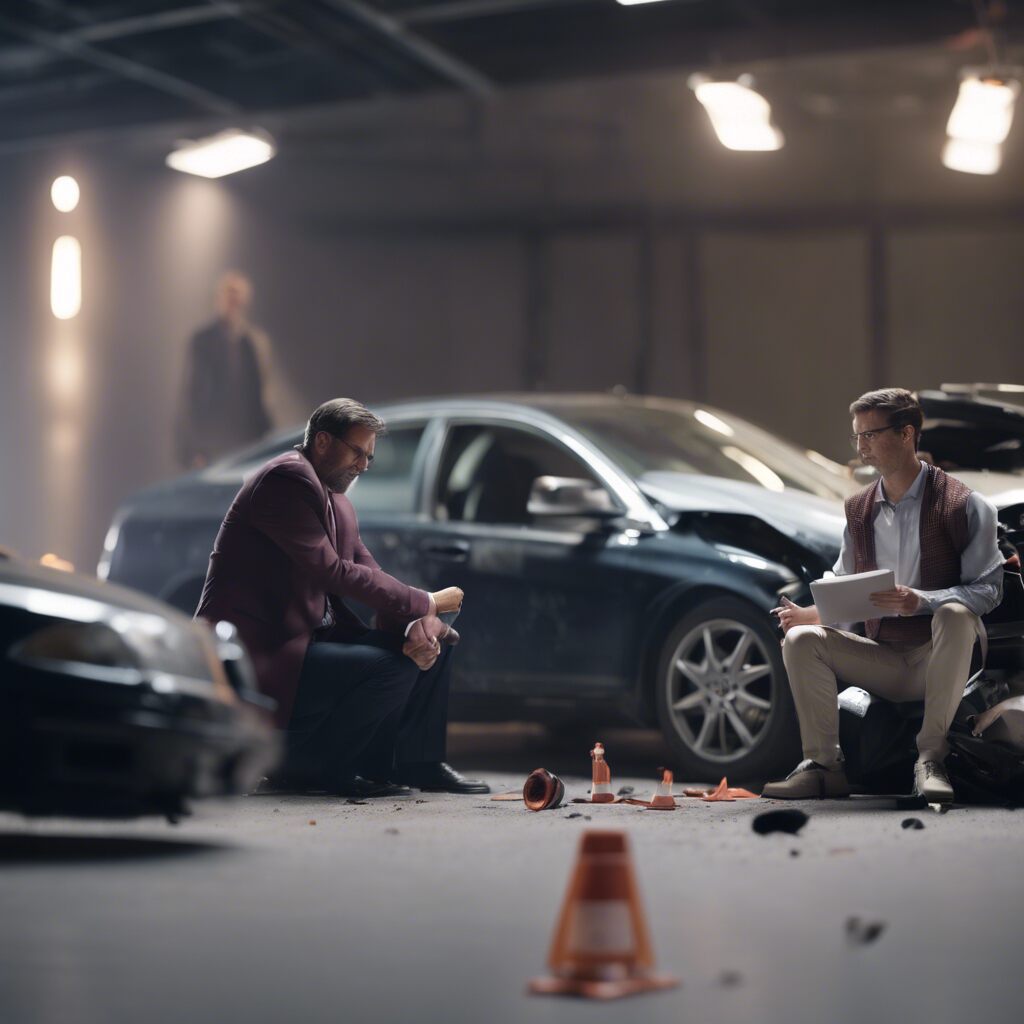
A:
(898, 546)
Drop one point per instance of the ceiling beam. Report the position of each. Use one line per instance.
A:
(68, 45)
(18, 57)
(427, 53)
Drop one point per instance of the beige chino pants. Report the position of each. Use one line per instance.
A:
(817, 656)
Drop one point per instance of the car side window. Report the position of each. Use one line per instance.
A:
(487, 473)
(389, 485)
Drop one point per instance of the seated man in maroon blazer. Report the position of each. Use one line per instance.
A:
(365, 709)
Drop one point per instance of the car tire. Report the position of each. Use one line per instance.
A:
(732, 714)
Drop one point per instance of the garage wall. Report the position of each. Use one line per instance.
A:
(957, 305)
(578, 237)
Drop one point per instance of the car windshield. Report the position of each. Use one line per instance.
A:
(656, 436)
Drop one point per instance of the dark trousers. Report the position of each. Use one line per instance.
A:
(364, 707)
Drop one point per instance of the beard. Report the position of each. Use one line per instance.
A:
(343, 481)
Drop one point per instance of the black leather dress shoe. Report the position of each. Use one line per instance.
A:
(363, 789)
(438, 777)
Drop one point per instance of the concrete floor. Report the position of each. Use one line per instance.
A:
(441, 908)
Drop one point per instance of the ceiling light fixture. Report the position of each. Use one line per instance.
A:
(226, 152)
(981, 119)
(740, 116)
(972, 157)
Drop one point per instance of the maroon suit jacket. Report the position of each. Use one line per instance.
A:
(279, 557)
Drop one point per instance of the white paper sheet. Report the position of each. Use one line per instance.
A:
(847, 598)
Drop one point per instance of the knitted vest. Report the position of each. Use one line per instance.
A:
(943, 539)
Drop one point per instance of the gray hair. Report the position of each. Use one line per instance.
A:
(336, 416)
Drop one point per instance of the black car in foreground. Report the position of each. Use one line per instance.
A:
(619, 556)
(114, 705)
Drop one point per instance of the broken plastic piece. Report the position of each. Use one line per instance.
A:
(788, 821)
(723, 791)
(601, 777)
(601, 948)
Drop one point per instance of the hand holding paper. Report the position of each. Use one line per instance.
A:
(852, 598)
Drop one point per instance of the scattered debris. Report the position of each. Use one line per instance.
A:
(603, 881)
(422, 801)
(350, 800)
(794, 853)
(575, 814)
(601, 777)
(723, 791)
(626, 791)
(391, 831)
(862, 933)
(914, 823)
(730, 979)
(396, 807)
(789, 821)
(277, 810)
(312, 821)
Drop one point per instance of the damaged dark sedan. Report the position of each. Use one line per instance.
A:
(114, 705)
(619, 555)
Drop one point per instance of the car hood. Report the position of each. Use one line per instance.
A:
(66, 587)
(814, 522)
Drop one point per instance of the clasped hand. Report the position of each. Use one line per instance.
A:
(423, 652)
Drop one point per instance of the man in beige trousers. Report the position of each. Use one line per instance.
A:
(940, 538)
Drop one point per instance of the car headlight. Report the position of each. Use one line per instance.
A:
(132, 648)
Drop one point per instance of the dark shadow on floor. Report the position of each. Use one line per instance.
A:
(39, 848)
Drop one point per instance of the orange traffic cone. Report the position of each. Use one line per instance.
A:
(601, 949)
(601, 777)
(663, 800)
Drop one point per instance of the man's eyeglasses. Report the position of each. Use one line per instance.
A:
(870, 435)
(360, 452)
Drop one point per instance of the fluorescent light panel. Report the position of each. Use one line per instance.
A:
(227, 152)
(740, 116)
(972, 157)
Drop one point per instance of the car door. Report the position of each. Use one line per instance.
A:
(549, 607)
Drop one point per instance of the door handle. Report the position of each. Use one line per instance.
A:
(449, 550)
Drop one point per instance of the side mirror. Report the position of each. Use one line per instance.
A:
(568, 496)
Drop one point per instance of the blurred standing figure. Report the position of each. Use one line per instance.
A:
(222, 403)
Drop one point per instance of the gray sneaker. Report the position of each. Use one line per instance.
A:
(932, 783)
(809, 781)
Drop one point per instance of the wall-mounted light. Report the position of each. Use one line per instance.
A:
(980, 120)
(226, 152)
(740, 116)
(66, 278)
(64, 193)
